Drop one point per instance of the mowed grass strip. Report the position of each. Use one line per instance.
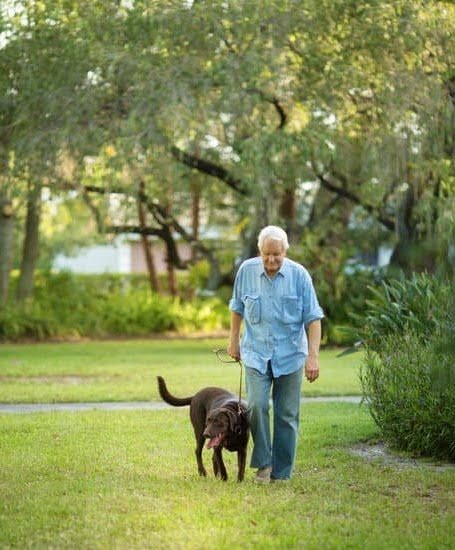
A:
(128, 480)
(127, 370)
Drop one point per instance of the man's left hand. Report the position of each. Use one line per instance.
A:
(312, 368)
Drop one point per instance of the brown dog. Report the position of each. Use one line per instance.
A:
(216, 415)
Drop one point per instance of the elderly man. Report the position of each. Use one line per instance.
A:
(275, 298)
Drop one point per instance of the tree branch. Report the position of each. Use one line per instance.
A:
(94, 210)
(163, 232)
(163, 218)
(136, 229)
(209, 168)
(276, 103)
(345, 193)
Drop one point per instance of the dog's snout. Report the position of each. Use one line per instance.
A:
(208, 432)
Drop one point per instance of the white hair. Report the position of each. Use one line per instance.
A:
(273, 232)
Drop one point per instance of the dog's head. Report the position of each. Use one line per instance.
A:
(220, 422)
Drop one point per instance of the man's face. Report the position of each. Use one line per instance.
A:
(272, 255)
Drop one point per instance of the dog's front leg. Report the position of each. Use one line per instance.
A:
(241, 461)
(219, 468)
(216, 467)
(200, 466)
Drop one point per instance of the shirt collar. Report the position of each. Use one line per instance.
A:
(282, 271)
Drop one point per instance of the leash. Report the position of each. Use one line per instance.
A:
(218, 353)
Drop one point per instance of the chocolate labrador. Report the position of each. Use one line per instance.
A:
(217, 416)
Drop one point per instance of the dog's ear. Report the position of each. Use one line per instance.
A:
(232, 418)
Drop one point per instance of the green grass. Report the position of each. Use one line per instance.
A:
(127, 370)
(128, 480)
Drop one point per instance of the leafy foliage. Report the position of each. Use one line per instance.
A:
(408, 376)
(249, 100)
(73, 306)
(342, 293)
(67, 305)
(398, 305)
(410, 387)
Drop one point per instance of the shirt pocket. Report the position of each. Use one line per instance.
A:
(291, 309)
(252, 308)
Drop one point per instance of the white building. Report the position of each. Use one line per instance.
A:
(123, 255)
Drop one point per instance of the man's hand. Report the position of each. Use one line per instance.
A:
(312, 368)
(234, 351)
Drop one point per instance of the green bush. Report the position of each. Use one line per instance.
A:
(410, 388)
(408, 374)
(66, 305)
(416, 304)
(27, 322)
(202, 314)
(137, 313)
(344, 304)
(338, 335)
(342, 287)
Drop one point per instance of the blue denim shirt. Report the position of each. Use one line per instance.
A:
(275, 312)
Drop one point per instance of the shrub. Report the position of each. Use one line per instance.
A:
(410, 388)
(208, 314)
(417, 304)
(27, 322)
(408, 374)
(67, 305)
(137, 313)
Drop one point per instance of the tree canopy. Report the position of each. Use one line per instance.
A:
(308, 114)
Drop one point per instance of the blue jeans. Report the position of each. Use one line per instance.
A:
(279, 453)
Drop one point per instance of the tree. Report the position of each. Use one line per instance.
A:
(6, 240)
(257, 98)
(31, 242)
(42, 65)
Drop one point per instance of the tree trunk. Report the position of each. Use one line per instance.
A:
(287, 212)
(6, 246)
(146, 245)
(171, 278)
(415, 251)
(195, 216)
(30, 250)
(172, 281)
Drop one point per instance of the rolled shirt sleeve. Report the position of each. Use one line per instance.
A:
(312, 311)
(236, 306)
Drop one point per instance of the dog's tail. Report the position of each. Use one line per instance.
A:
(169, 398)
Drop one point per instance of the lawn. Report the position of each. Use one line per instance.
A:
(128, 479)
(127, 370)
